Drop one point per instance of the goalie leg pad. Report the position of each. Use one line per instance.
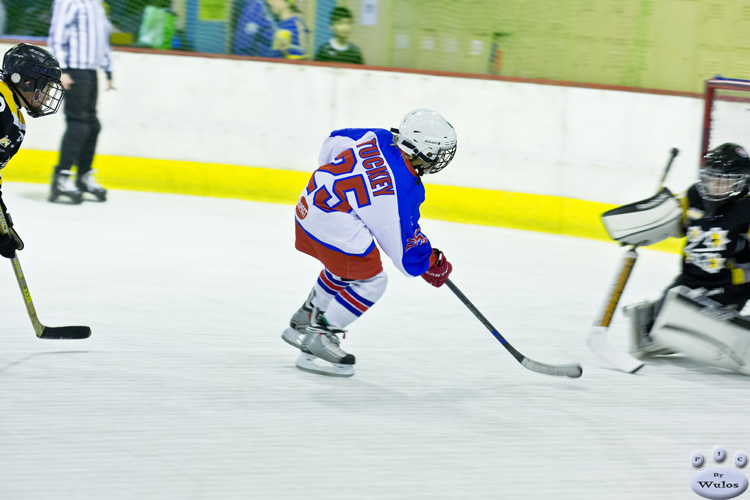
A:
(642, 344)
(711, 334)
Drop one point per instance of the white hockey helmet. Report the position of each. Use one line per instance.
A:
(426, 135)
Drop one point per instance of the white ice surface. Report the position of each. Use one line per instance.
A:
(185, 390)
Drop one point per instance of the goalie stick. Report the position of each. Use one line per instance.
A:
(572, 371)
(597, 338)
(43, 332)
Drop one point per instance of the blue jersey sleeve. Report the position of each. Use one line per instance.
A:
(410, 193)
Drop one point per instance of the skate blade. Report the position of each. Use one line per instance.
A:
(292, 337)
(313, 364)
(65, 199)
(96, 197)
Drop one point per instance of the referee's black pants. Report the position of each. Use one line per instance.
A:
(82, 125)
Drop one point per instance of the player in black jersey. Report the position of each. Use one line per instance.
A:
(715, 276)
(30, 79)
(716, 255)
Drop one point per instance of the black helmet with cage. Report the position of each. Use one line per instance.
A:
(33, 74)
(724, 174)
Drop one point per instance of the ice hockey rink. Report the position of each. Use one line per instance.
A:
(186, 391)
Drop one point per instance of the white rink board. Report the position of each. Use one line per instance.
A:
(186, 391)
(597, 145)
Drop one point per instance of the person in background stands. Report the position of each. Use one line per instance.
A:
(338, 48)
(256, 26)
(291, 37)
(79, 38)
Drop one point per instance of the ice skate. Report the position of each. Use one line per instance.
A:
(298, 324)
(641, 320)
(321, 352)
(87, 184)
(63, 185)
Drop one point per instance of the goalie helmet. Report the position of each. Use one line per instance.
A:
(426, 136)
(34, 74)
(724, 174)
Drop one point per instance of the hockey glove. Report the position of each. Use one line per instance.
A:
(10, 242)
(740, 272)
(438, 273)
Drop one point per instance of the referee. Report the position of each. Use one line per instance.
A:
(79, 38)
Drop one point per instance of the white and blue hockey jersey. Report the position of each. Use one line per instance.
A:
(365, 191)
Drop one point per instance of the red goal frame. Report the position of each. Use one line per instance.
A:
(712, 85)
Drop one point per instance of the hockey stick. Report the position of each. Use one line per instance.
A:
(43, 332)
(597, 338)
(572, 371)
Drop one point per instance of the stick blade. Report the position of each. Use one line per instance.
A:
(599, 343)
(572, 371)
(65, 332)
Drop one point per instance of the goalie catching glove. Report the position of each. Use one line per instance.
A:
(645, 222)
(438, 272)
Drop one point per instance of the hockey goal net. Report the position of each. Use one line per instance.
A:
(726, 116)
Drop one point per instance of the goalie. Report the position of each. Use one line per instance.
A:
(699, 314)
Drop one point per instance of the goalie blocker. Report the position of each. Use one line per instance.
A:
(702, 329)
(645, 222)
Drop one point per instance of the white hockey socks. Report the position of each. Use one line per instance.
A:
(345, 301)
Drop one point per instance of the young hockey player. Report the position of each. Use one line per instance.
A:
(368, 188)
(698, 315)
(31, 80)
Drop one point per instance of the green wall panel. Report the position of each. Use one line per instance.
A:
(661, 44)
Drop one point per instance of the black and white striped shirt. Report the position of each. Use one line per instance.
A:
(79, 35)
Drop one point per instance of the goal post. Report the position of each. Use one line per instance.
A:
(726, 115)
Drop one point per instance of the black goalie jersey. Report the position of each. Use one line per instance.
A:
(718, 245)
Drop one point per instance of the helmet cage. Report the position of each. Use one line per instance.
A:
(718, 186)
(426, 135)
(435, 162)
(48, 92)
